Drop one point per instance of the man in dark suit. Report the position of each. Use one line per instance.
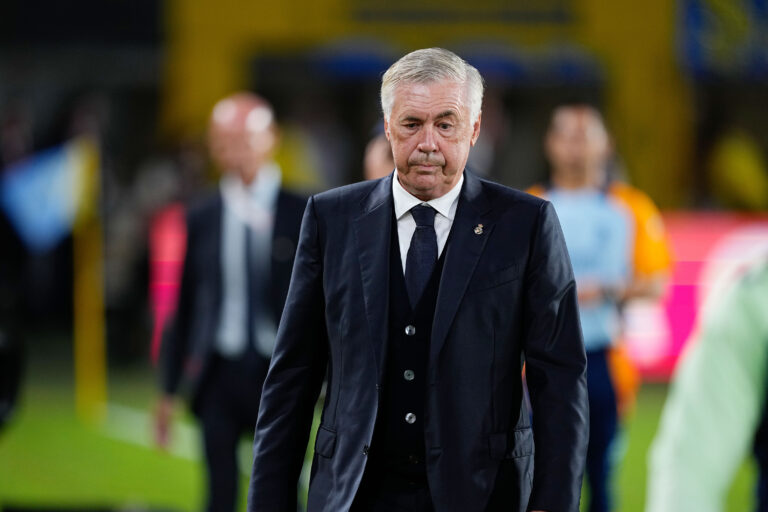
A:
(241, 243)
(422, 293)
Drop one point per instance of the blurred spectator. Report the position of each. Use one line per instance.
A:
(715, 412)
(651, 262)
(240, 247)
(378, 161)
(598, 232)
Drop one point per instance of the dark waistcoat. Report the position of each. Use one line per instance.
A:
(398, 445)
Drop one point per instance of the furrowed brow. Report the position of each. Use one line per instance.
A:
(447, 113)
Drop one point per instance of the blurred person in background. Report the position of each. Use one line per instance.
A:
(241, 242)
(716, 412)
(600, 235)
(420, 293)
(378, 161)
(651, 261)
(651, 250)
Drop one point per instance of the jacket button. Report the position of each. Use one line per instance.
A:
(410, 418)
(366, 449)
(410, 330)
(409, 375)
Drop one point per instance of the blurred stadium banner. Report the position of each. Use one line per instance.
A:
(443, 11)
(710, 249)
(723, 38)
(46, 197)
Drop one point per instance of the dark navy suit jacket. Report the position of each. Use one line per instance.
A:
(190, 340)
(507, 294)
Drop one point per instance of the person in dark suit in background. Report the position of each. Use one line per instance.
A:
(422, 294)
(241, 243)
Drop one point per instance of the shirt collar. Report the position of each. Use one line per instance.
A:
(267, 184)
(262, 191)
(445, 205)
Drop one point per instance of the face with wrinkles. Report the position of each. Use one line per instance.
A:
(431, 135)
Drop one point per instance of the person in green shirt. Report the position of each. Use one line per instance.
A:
(716, 403)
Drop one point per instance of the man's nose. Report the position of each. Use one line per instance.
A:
(428, 144)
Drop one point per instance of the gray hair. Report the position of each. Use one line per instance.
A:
(432, 65)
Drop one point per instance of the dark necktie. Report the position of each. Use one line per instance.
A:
(422, 254)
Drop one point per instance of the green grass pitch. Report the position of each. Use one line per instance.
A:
(48, 458)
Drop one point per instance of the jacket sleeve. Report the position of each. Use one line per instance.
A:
(555, 370)
(293, 382)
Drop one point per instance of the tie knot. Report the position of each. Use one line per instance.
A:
(424, 215)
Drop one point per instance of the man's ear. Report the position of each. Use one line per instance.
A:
(386, 129)
(476, 129)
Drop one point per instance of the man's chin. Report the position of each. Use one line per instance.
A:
(425, 183)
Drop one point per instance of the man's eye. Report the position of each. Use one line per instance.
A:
(445, 126)
(410, 125)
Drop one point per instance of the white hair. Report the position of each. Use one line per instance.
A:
(432, 65)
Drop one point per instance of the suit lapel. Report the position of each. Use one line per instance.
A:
(372, 234)
(467, 241)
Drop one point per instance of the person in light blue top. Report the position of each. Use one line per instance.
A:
(598, 234)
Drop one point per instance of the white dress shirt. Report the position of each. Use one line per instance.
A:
(245, 205)
(445, 206)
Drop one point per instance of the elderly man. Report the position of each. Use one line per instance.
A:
(422, 293)
(240, 246)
